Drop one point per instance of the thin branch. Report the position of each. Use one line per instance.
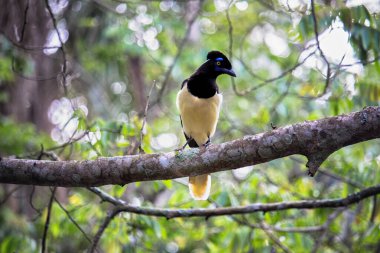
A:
(61, 48)
(92, 145)
(332, 77)
(25, 21)
(374, 211)
(72, 220)
(273, 237)
(230, 45)
(253, 208)
(9, 194)
(71, 141)
(141, 150)
(49, 152)
(270, 80)
(282, 96)
(267, 230)
(311, 229)
(47, 221)
(38, 211)
(106, 197)
(326, 172)
(303, 230)
(364, 63)
(326, 226)
(101, 229)
(179, 52)
(122, 207)
(340, 178)
(328, 73)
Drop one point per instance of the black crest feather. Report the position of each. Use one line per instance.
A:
(212, 55)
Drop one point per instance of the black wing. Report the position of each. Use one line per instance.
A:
(192, 143)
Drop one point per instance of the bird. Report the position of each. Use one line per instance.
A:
(199, 102)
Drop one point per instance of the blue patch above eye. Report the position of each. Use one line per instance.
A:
(219, 59)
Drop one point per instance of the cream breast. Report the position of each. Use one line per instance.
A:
(199, 115)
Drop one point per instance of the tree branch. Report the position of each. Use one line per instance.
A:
(314, 139)
(121, 206)
(253, 208)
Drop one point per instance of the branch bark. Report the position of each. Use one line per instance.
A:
(314, 139)
(252, 208)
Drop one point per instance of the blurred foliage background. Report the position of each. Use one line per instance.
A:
(87, 99)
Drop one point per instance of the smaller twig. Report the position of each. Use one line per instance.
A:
(250, 241)
(337, 177)
(230, 46)
(273, 237)
(374, 210)
(51, 155)
(364, 63)
(270, 80)
(61, 48)
(49, 152)
(92, 145)
(72, 219)
(311, 229)
(41, 152)
(9, 194)
(106, 197)
(38, 211)
(283, 95)
(101, 229)
(287, 188)
(332, 77)
(326, 226)
(47, 221)
(264, 227)
(25, 21)
(230, 30)
(71, 141)
(341, 179)
(179, 52)
(141, 150)
(328, 73)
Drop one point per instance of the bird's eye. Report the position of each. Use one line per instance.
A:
(218, 63)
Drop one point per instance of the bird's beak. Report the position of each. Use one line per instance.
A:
(229, 72)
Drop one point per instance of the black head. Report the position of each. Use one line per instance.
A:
(219, 63)
(202, 83)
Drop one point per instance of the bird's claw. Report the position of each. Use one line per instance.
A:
(206, 144)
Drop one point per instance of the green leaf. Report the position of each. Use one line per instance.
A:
(346, 18)
(156, 228)
(168, 183)
(223, 199)
(366, 38)
(118, 190)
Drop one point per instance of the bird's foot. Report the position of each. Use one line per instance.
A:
(208, 142)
